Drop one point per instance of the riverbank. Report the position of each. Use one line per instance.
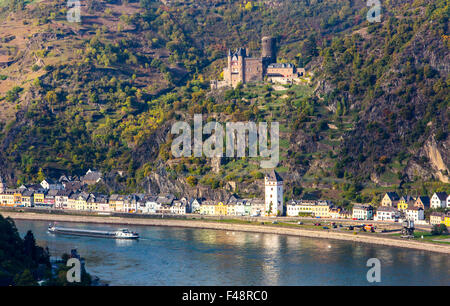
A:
(268, 229)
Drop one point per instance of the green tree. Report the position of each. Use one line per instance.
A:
(25, 279)
(439, 229)
(192, 180)
(40, 175)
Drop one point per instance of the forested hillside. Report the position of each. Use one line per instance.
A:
(22, 262)
(104, 93)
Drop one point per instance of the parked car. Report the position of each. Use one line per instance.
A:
(325, 227)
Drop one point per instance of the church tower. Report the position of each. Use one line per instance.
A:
(273, 184)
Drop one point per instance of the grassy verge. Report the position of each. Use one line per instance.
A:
(427, 237)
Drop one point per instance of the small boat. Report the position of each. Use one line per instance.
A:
(119, 234)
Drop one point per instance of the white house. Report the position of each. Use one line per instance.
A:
(151, 206)
(386, 213)
(292, 209)
(439, 200)
(62, 199)
(414, 213)
(131, 203)
(273, 194)
(257, 207)
(91, 177)
(104, 206)
(186, 203)
(195, 205)
(27, 198)
(51, 185)
(362, 212)
(243, 208)
(178, 208)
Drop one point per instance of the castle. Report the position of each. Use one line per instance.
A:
(244, 69)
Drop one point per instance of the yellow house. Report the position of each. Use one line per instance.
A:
(71, 202)
(112, 205)
(77, 201)
(39, 197)
(321, 210)
(390, 199)
(447, 220)
(7, 198)
(120, 204)
(316, 208)
(220, 209)
(436, 218)
(81, 203)
(116, 202)
(17, 198)
(92, 204)
(404, 202)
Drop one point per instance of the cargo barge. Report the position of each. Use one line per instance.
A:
(119, 234)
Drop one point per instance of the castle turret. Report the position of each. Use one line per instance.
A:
(241, 53)
(268, 50)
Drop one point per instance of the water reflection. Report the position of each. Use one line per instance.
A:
(125, 242)
(178, 256)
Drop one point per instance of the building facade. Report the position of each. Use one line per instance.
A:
(241, 68)
(390, 199)
(273, 184)
(362, 212)
(386, 213)
(438, 200)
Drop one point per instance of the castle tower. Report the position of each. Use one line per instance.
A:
(273, 184)
(268, 51)
(227, 70)
(241, 53)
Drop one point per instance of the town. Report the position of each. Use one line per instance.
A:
(67, 193)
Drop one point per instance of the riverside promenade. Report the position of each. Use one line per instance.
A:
(268, 229)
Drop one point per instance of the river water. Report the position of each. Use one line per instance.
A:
(190, 257)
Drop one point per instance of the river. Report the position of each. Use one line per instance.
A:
(191, 257)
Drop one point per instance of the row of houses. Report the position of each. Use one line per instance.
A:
(392, 208)
(440, 218)
(438, 200)
(62, 195)
(134, 203)
(326, 209)
(68, 193)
